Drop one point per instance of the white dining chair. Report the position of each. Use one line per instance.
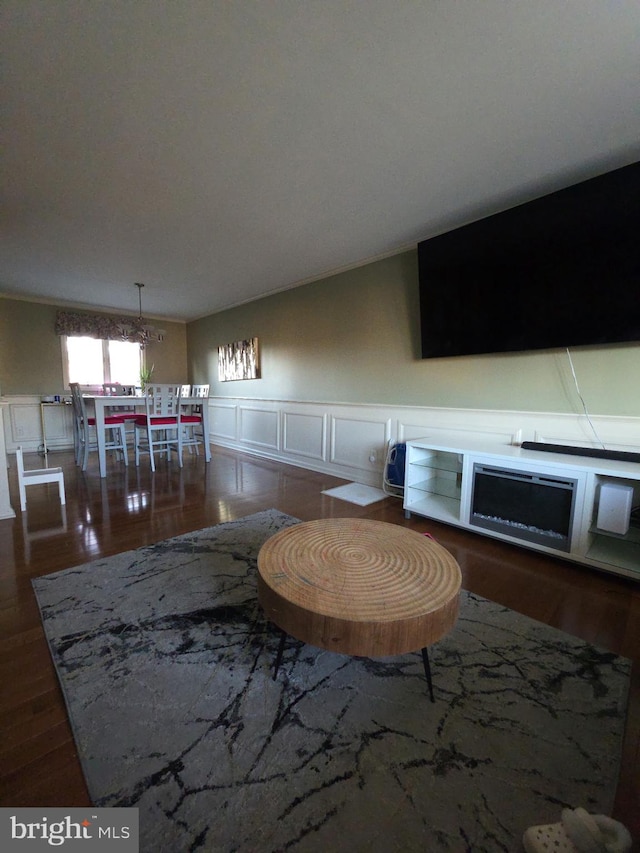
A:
(115, 389)
(37, 476)
(158, 430)
(85, 436)
(191, 420)
(128, 415)
(112, 389)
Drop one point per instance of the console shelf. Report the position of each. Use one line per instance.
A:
(615, 553)
(440, 481)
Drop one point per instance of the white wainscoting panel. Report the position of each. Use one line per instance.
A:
(259, 427)
(304, 434)
(354, 440)
(23, 416)
(223, 420)
(23, 424)
(26, 423)
(339, 438)
(448, 427)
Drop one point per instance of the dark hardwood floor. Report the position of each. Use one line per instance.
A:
(131, 507)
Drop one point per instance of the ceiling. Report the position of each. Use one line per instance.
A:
(220, 150)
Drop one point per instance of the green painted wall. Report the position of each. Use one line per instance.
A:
(354, 337)
(31, 356)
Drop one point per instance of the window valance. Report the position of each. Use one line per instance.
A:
(90, 325)
(134, 330)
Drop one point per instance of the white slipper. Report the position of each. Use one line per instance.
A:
(579, 832)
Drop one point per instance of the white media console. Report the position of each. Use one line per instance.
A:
(574, 507)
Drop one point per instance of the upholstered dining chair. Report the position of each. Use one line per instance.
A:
(84, 431)
(159, 430)
(191, 420)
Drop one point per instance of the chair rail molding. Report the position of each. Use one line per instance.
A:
(343, 438)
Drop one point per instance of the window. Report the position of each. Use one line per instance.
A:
(91, 361)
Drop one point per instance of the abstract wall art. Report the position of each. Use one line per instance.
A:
(239, 360)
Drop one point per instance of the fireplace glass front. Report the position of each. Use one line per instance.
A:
(530, 506)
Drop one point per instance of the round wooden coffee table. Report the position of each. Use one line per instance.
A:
(359, 587)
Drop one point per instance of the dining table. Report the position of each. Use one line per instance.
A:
(102, 403)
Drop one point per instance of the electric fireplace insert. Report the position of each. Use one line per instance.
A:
(527, 505)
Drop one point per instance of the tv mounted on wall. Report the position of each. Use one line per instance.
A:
(560, 271)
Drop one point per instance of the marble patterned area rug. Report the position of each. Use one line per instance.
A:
(166, 666)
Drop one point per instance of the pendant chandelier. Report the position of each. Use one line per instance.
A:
(140, 331)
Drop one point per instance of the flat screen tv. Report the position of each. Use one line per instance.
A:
(560, 271)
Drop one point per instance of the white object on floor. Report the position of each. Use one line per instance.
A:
(579, 832)
(35, 476)
(356, 493)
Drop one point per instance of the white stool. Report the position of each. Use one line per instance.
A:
(36, 476)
